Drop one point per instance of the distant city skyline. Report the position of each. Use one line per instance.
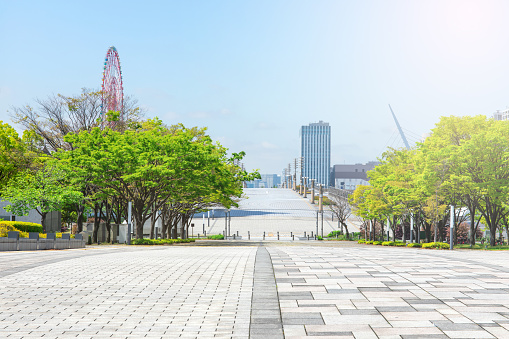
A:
(253, 72)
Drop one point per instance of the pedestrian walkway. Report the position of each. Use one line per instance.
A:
(272, 211)
(270, 289)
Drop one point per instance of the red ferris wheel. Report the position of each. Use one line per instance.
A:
(112, 86)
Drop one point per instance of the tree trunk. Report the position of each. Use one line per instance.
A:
(493, 234)
(80, 210)
(139, 227)
(152, 224)
(346, 228)
(97, 221)
(43, 221)
(403, 228)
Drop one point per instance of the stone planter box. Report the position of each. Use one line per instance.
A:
(7, 244)
(46, 244)
(27, 244)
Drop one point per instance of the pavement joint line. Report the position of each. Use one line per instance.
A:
(264, 278)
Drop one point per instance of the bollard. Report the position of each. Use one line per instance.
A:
(291, 234)
(205, 234)
(304, 234)
(233, 236)
(248, 235)
(308, 236)
(277, 235)
(311, 234)
(293, 237)
(263, 235)
(237, 233)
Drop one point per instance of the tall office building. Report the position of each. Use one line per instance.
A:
(501, 114)
(315, 150)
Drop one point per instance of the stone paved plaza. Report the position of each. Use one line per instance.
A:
(254, 289)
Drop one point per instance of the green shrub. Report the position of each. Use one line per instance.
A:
(361, 241)
(388, 243)
(369, 242)
(334, 234)
(216, 237)
(160, 241)
(439, 245)
(319, 238)
(414, 244)
(377, 243)
(399, 244)
(89, 239)
(23, 226)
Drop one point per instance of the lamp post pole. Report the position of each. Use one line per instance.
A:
(411, 227)
(312, 191)
(129, 225)
(451, 230)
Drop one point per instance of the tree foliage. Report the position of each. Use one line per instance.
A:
(463, 163)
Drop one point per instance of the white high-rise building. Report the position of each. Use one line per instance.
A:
(501, 115)
(315, 151)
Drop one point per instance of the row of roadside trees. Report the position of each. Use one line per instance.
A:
(463, 163)
(69, 162)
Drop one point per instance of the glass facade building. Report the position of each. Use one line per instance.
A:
(315, 150)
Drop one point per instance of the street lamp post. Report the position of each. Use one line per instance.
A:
(451, 230)
(312, 191)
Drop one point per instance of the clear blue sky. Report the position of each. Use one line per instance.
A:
(253, 72)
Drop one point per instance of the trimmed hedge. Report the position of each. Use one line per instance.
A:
(394, 243)
(23, 226)
(216, 237)
(377, 243)
(414, 244)
(361, 241)
(160, 241)
(439, 245)
(57, 235)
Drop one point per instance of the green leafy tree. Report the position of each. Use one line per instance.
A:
(45, 190)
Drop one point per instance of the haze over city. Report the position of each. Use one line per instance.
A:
(254, 72)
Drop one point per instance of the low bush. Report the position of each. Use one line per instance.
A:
(216, 237)
(334, 234)
(414, 244)
(369, 242)
(57, 235)
(388, 243)
(361, 241)
(160, 241)
(377, 243)
(399, 244)
(439, 245)
(23, 226)
(319, 238)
